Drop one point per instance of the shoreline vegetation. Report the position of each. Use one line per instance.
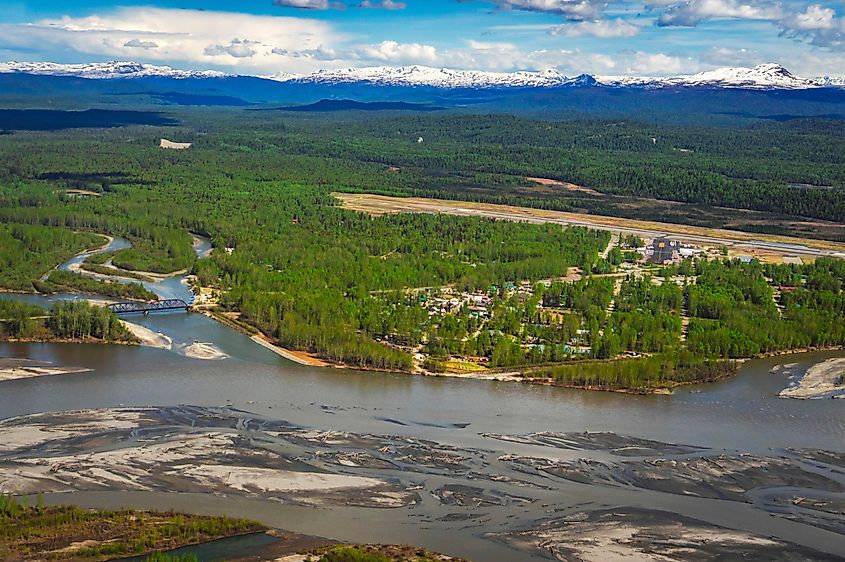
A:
(648, 374)
(263, 340)
(65, 322)
(577, 375)
(29, 530)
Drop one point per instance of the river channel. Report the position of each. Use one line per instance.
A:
(508, 482)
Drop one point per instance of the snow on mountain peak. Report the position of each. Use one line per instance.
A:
(417, 76)
(104, 70)
(762, 77)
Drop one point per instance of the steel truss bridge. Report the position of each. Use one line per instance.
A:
(147, 307)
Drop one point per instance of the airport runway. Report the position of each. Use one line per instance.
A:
(759, 245)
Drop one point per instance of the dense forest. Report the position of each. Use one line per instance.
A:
(29, 251)
(788, 168)
(66, 320)
(769, 167)
(354, 288)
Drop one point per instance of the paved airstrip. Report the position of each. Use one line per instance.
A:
(771, 247)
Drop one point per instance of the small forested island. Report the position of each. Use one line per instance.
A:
(75, 321)
(429, 292)
(29, 530)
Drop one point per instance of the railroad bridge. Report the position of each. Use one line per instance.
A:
(147, 307)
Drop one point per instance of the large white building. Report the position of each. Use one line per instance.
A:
(174, 145)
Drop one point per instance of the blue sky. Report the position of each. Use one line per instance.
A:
(265, 37)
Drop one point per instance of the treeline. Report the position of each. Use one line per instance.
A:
(644, 374)
(160, 241)
(67, 282)
(77, 320)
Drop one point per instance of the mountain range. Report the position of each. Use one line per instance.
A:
(765, 92)
(763, 77)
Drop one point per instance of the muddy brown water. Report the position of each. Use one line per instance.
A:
(741, 414)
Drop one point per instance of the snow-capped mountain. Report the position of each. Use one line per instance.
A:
(104, 70)
(832, 82)
(427, 76)
(765, 76)
(762, 77)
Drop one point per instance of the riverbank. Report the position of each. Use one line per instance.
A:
(129, 274)
(371, 552)
(295, 356)
(504, 375)
(264, 341)
(50, 339)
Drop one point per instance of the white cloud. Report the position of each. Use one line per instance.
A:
(573, 10)
(383, 4)
(237, 48)
(655, 64)
(249, 43)
(819, 25)
(724, 56)
(398, 53)
(331, 5)
(693, 12)
(310, 4)
(253, 44)
(138, 44)
(597, 28)
(813, 17)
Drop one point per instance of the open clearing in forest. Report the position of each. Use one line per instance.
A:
(766, 247)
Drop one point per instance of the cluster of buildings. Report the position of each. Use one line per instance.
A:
(448, 303)
(479, 303)
(666, 250)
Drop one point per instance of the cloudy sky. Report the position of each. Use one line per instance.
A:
(604, 37)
